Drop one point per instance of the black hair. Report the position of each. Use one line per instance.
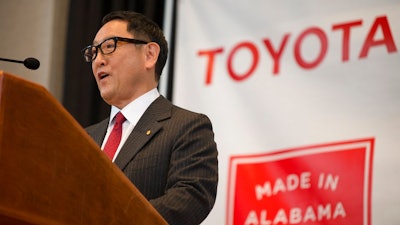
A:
(142, 27)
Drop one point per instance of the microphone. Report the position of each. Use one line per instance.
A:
(30, 63)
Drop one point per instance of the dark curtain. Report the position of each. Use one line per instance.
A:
(81, 96)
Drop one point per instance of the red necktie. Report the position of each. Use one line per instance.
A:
(115, 137)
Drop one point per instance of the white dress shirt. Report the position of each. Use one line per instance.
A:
(132, 112)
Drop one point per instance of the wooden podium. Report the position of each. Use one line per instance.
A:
(52, 172)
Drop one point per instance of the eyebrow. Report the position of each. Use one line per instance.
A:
(98, 42)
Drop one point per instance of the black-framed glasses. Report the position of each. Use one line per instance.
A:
(107, 46)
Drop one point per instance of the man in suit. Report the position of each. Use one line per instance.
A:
(168, 153)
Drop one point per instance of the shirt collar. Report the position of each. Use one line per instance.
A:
(134, 110)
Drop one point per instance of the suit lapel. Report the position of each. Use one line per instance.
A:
(98, 131)
(146, 128)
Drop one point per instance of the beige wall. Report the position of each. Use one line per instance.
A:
(35, 28)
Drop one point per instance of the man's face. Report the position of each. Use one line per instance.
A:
(122, 75)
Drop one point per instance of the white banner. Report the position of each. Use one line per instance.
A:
(304, 99)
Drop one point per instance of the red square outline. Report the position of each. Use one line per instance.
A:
(367, 143)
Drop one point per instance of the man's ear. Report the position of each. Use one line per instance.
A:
(152, 52)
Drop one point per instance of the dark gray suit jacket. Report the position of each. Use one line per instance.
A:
(171, 157)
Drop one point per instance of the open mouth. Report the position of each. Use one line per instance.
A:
(103, 76)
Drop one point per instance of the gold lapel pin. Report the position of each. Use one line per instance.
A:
(148, 132)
